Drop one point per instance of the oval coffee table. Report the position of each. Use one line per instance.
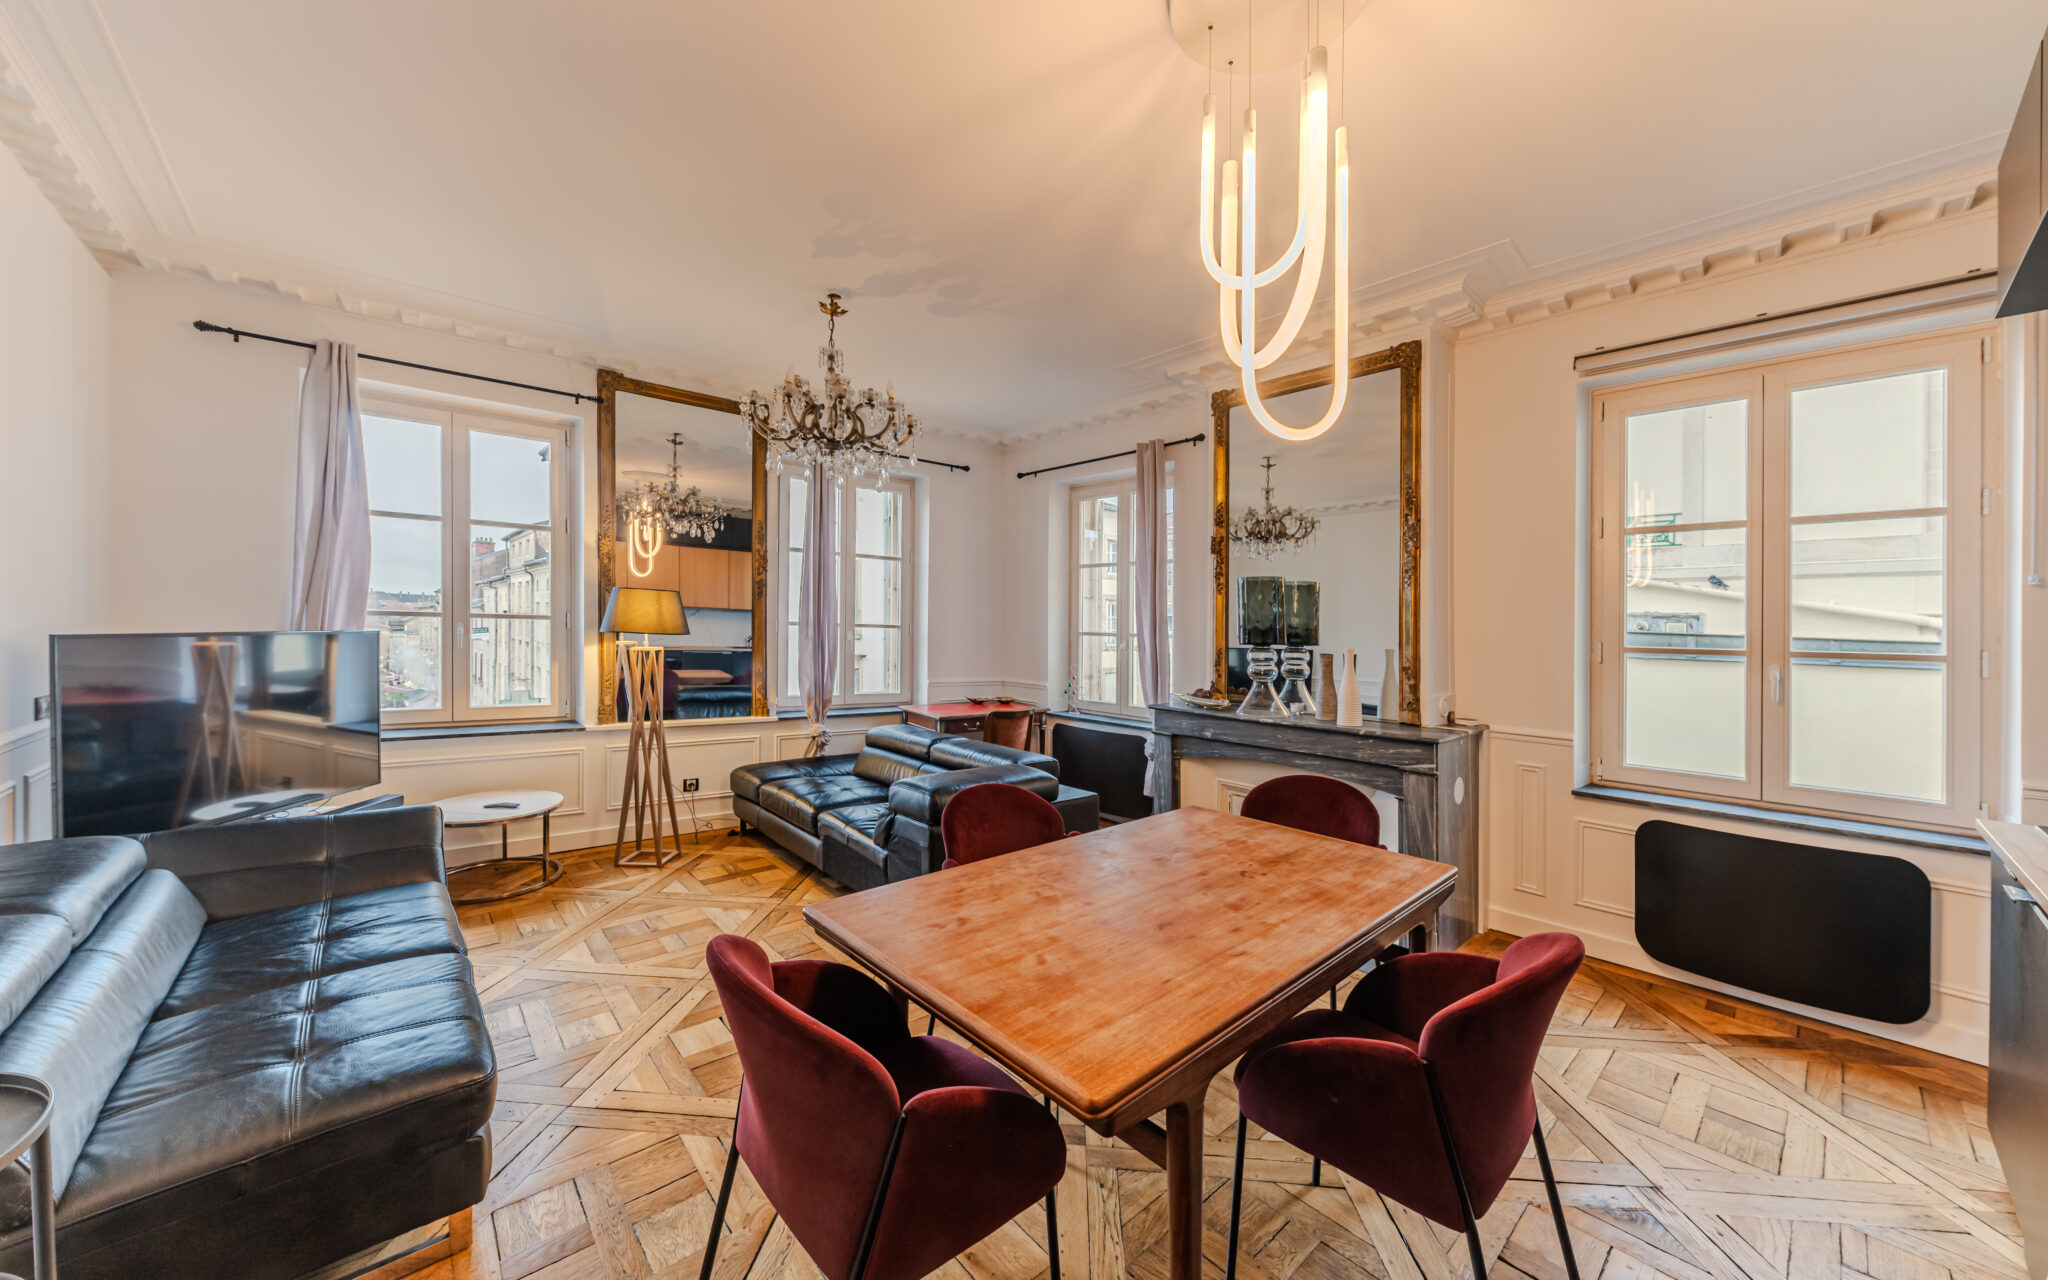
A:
(25, 1123)
(501, 809)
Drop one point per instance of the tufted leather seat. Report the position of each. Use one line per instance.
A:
(799, 801)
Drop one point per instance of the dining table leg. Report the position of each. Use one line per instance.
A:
(1184, 1137)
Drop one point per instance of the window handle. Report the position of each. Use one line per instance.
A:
(1777, 684)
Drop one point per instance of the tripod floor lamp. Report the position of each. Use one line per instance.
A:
(649, 789)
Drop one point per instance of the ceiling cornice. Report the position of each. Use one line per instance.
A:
(50, 163)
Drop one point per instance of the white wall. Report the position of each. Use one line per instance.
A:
(53, 416)
(1549, 859)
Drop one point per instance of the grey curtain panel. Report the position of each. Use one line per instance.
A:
(817, 619)
(331, 525)
(1155, 656)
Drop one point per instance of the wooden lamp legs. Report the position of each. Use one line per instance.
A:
(648, 786)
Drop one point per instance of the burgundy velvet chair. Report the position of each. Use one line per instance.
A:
(1315, 804)
(1420, 1087)
(886, 1154)
(995, 818)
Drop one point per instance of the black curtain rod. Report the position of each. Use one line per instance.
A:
(238, 334)
(1196, 438)
(931, 462)
(578, 396)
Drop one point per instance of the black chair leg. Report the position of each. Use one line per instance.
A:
(932, 1024)
(1443, 1128)
(1333, 997)
(732, 1160)
(1052, 1233)
(1236, 1204)
(1564, 1239)
(1315, 1171)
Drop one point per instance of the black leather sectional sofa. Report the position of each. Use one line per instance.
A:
(871, 818)
(264, 1043)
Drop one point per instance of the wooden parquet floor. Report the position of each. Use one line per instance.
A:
(1697, 1137)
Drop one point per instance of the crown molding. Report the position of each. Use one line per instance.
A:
(50, 164)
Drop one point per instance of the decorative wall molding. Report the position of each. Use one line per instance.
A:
(12, 738)
(49, 163)
(1586, 893)
(1547, 737)
(10, 833)
(38, 804)
(1532, 828)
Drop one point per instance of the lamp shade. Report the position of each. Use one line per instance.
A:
(645, 609)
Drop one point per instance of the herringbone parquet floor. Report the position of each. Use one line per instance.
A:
(1698, 1137)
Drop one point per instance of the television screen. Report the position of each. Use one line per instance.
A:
(162, 731)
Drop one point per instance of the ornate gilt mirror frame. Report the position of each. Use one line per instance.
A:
(1407, 358)
(610, 383)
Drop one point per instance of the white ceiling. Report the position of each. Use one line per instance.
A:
(1005, 193)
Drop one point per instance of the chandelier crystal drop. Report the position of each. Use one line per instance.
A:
(1314, 232)
(1266, 530)
(850, 434)
(653, 510)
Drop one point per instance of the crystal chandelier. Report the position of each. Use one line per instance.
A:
(1314, 232)
(850, 434)
(650, 510)
(1265, 530)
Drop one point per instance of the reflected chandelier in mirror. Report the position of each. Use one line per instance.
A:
(1265, 529)
(652, 510)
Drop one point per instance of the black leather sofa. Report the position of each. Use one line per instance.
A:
(264, 1043)
(870, 818)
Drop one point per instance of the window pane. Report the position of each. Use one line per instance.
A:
(1870, 585)
(878, 522)
(1098, 531)
(793, 582)
(877, 659)
(509, 571)
(510, 663)
(405, 564)
(1098, 664)
(409, 652)
(796, 514)
(1098, 599)
(789, 680)
(877, 591)
(1869, 726)
(508, 478)
(402, 464)
(1871, 445)
(1685, 712)
(1686, 590)
(1688, 466)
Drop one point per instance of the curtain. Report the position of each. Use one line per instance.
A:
(1155, 659)
(331, 525)
(817, 624)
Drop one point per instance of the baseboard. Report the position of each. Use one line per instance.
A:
(1971, 1044)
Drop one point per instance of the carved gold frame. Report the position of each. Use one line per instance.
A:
(610, 383)
(1407, 357)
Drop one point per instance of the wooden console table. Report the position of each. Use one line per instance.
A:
(1432, 772)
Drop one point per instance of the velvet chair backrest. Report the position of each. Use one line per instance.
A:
(1007, 728)
(1483, 1051)
(995, 818)
(1315, 804)
(816, 1110)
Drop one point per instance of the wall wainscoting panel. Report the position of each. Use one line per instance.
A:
(1606, 879)
(38, 804)
(2034, 803)
(9, 815)
(1532, 828)
(1230, 794)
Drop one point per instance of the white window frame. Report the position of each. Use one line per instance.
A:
(1769, 658)
(456, 526)
(1125, 487)
(783, 621)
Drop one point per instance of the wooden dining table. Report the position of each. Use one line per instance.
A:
(1119, 970)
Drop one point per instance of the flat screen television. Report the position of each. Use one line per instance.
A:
(161, 731)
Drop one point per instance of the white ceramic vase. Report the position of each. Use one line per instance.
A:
(1349, 713)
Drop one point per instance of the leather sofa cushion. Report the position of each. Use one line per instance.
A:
(798, 801)
(246, 867)
(76, 880)
(923, 798)
(886, 767)
(748, 779)
(78, 1031)
(965, 753)
(251, 953)
(906, 740)
(250, 1092)
(848, 855)
(857, 819)
(32, 947)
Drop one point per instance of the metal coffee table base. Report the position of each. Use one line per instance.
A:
(550, 869)
(25, 1126)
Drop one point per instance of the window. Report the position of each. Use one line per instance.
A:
(474, 502)
(874, 588)
(1788, 583)
(1103, 657)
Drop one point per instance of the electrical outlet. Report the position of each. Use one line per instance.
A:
(689, 784)
(43, 707)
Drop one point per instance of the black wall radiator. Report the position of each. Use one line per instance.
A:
(1849, 932)
(1110, 764)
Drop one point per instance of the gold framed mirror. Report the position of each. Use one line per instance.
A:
(1361, 481)
(648, 436)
